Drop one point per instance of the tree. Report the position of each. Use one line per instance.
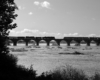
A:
(9, 70)
(7, 15)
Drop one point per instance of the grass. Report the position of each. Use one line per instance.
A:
(18, 50)
(9, 70)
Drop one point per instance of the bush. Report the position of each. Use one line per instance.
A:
(25, 73)
(74, 53)
(96, 77)
(67, 73)
(77, 53)
(9, 70)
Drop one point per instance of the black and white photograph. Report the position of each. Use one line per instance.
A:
(49, 39)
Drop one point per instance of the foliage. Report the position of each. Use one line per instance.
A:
(68, 73)
(96, 76)
(9, 70)
(7, 15)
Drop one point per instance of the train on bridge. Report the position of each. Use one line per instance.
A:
(68, 40)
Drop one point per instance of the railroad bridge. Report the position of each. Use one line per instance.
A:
(68, 40)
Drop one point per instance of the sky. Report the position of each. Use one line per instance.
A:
(58, 18)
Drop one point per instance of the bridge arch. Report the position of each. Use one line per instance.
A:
(63, 43)
(53, 43)
(73, 42)
(14, 41)
(31, 42)
(42, 43)
(21, 42)
(83, 43)
(93, 43)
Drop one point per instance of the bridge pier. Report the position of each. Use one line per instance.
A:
(58, 41)
(48, 43)
(15, 43)
(26, 43)
(37, 43)
(97, 43)
(68, 43)
(88, 43)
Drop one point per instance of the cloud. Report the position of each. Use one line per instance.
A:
(28, 32)
(37, 33)
(72, 35)
(36, 3)
(21, 7)
(30, 13)
(92, 35)
(25, 32)
(43, 4)
(75, 34)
